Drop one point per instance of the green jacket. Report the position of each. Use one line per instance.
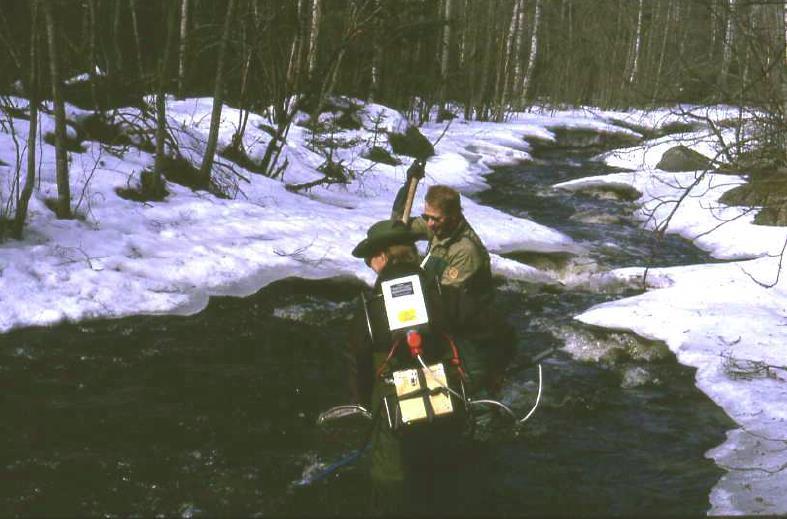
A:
(459, 260)
(461, 264)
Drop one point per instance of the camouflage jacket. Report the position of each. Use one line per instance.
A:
(461, 264)
(458, 260)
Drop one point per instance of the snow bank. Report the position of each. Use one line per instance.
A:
(122, 257)
(727, 319)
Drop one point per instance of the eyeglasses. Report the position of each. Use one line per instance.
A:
(436, 219)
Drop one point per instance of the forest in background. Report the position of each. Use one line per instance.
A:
(482, 54)
(485, 58)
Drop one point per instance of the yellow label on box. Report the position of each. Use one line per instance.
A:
(407, 315)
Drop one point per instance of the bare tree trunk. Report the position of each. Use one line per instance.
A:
(63, 205)
(634, 69)
(118, 65)
(518, 64)
(30, 178)
(462, 44)
(533, 56)
(294, 66)
(247, 50)
(153, 181)
(354, 26)
(714, 27)
(468, 61)
(93, 66)
(729, 40)
(486, 62)
(445, 49)
(314, 34)
(503, 78)
(377, 59)
(660, 67)
(183, 46)
(137, 44)
(784, 77)
(218, 99)
(679, 7)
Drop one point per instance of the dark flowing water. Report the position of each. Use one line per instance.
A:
(213, 414)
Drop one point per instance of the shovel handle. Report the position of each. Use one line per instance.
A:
(408, 202)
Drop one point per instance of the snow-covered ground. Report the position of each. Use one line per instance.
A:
(123, 257)
(729, 320)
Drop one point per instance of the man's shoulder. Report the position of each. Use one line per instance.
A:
(467, 239)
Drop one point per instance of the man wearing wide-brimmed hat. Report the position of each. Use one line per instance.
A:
(400, 465)
(385, 241)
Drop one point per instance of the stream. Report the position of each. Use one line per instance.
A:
(213, 414)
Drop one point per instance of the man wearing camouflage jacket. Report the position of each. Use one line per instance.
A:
(458, 259)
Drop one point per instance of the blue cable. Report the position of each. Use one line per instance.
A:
(349, 459)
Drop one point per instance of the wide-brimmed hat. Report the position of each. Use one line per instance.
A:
(382, 234)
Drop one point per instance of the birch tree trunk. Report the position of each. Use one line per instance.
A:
(296, 50)
(314, 34)
(63, 204)
(461, 57)
(533, 56)
(517, 58)
(504, 74)
(183, 44)
(30, 178)
(637, 44)
(218, 99)
(729, 39)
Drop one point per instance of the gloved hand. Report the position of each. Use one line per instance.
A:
(416, 170)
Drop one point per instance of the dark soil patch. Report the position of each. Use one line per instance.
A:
(105, 93)
(348, 120)
(239, 156)
(180, 171)
(51, 204)
(72, 145)
(378, 154)
(96, 127)
(148, 191)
